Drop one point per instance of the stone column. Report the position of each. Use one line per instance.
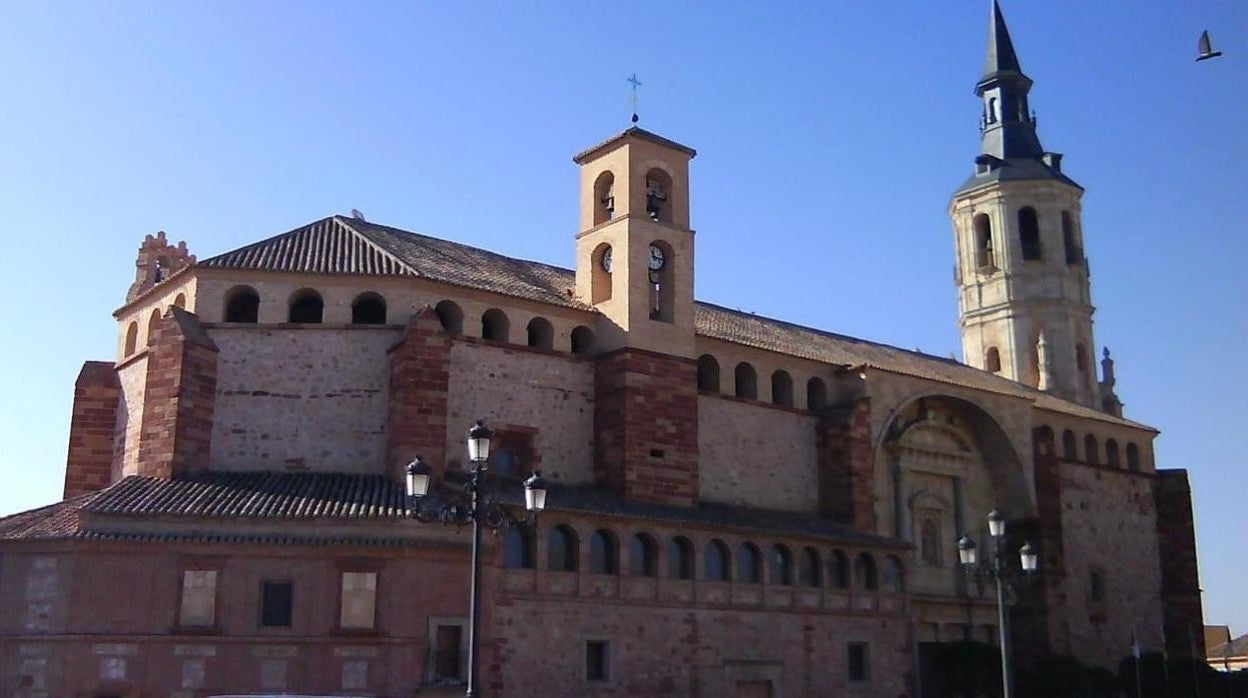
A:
(88, 466)
(179, 398)
(419, 380)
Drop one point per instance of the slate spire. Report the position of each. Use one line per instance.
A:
(1001, 56)
(1007, 125)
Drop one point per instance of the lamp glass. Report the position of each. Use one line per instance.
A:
(479, 443)
(996, 523)
(534, 499)
(417, 484)
(1027, 555)
(966, 551)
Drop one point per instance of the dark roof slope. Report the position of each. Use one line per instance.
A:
(59, 520)
(328, 246)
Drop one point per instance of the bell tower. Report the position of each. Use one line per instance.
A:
(1024, 299)
(634, 248)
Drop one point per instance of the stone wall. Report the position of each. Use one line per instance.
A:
(518, 387)
(755, 455)
(1180, 577)
(133, 378)
(92, 428)
(1109, 526)
(179, 398)
(306, 398)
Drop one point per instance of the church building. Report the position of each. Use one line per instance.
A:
(738, 505)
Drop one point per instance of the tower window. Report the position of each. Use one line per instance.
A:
(1070, 450)
(808, 568)
(242, 304)
(604, 198)
(660, 266)
(983, 241)
(780, 566)
(306, 306)
(561, 550)
(643, 556)
(1081, 365)
(1090, 450)
(781, 389)
(992, 360)
(679, 558)
(368, 309)
(1112, 459)
(708, 374)
(604, 553)
(582, 341)
(602, 261)
(518, 549)
(276, 603)
(153, 324)
(716, 565)
(749, 564)
(1029, 234)
(658, 194)
(747, 381)
(864, 572)
(494, 326)
(816, 394)
(1074, 255)
(132, 338)
(540, 334)
(992, 110)
(451, 317)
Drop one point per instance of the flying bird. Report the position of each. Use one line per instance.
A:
(1205, 49)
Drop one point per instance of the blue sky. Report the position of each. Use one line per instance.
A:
(830, 136)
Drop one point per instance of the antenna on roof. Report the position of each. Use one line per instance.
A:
(358, 215)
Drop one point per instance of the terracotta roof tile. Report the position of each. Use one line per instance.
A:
(55, 521)
(327, 246)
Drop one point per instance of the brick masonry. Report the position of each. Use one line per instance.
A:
(1182, 612)
(92, 425)
(179, 397)
(646, 426)
(846, 466)
(419, 378)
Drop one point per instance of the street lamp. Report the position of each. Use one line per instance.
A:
(471, 502)
(1004, 577)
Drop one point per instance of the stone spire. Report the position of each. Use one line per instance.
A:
(1109, 399)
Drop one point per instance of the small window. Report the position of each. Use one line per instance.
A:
(715, 567)
(132, 338)
(1029, 234)
(306, 307)
(358, 601)
(495, 327)
(816, 394)
(242, 304)
(747, 381)
(1074, 255)
(708, 374)
(894, 575)
(992, 360)
(782, 389)
(540, 334)
(451, 317)
(604, 197)
(1081, 364)
(859, 663)
(1133, 457)
(749, 568)
(602, 262)
(518, 549)
(838, 567)
(679, 558)
(1112, 458)
(199, 598)
(597, 660)
(642, 554)
(1090, 450)
(1070, 446)
(153, 324)
(368, 309)
(983, 241)
(561, 553)
(604, 553)
(582, 341)
(658, 196)
(780, 564)
(447, 661)
(276, 604)
(864, 572)
(512, 453)
(808, 569)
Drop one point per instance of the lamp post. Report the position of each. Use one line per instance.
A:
(1004, 577)
(473, 503)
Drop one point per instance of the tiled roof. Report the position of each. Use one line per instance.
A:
(364, 248)
(1235, 648)
(221, 494)
(60, 520)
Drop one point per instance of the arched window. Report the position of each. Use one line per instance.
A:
(561, 553)
(992, 110)
(781, 389)
(715, 566)
(1074, 255)
(153, 323)
(451, 317)
(708, 374)
(1081, 364)
(368, 309)
(1070, 446)
(306, 307)
(604, 197)
(604, 553)
(809, 568)
(1029, 234)
(642, 556)
(658, 196)
(749, 564)
(180, 301)
(518, 549)
(780, 566)
(662, 273)
(929, 542)
(747, 381)
(816, 394)
(1133, 457)
(132, 338)
(838, 567)
(983, 241)
(494, 326)
(582, 341)
(242, 304)
(602, 263)
(992, 360)
(864, 572)
(894, 575)
(680, 558)
(1090, 451)
(540, 334)
(1111, 454)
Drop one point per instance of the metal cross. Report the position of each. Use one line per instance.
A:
(632, 80)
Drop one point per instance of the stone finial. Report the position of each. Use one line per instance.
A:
(1107, 369)
(157, 261)
(1045, 364)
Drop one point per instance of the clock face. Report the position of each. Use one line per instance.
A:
(605, 261)
(656, 258)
